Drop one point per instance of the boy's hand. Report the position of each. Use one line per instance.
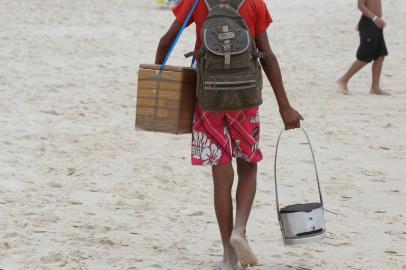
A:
(380, 23)
(290, 117)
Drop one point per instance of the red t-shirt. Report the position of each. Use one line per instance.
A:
(254, 12)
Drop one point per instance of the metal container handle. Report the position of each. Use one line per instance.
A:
(275, 166)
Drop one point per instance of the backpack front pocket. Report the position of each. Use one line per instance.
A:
(233, 92)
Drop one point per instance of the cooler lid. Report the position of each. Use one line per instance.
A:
(166, 68)
(301, 207)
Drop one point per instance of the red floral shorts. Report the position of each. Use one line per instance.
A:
(219, 136)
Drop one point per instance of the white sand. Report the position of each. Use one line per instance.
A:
(80, 189)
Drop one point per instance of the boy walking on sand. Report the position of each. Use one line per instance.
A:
(372, 46)
(230, 34)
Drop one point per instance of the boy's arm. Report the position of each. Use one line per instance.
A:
(291, 118)
(367, 12)
(166, 41)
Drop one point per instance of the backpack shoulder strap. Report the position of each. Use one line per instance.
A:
(211, 3)
(236, 4)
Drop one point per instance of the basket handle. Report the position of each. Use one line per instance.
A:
(275, 167)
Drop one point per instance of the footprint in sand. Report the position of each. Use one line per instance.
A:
(10, 235)
(53, 258)
(105, 241)
(54, 185)
(6, 246)
(397, 233)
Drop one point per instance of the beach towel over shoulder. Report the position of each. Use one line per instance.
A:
(229, 75)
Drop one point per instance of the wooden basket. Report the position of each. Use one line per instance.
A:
(166, 99)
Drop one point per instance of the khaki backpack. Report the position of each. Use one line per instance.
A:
(229, 75)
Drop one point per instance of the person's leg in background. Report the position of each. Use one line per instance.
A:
(381, 52)
(343, 81)
(376, 77)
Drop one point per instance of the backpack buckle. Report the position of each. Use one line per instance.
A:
(227, 47)
(257, 54)
(226, 35)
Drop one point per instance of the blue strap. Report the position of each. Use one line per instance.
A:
(179, 34)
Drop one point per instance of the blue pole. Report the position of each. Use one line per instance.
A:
(179, 34)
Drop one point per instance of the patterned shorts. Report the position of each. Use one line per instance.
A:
(219, 136)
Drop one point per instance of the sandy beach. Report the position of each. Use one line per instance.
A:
(81, 189)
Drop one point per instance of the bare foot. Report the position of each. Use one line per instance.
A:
(230, 260)
(379, 91)
(244, 252)
(342, 85)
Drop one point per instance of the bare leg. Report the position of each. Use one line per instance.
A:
(247, 184)
(343, 81)
(246, 189)
(223, 176)
(376, 77)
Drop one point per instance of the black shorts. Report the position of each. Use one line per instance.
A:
(372, 43)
